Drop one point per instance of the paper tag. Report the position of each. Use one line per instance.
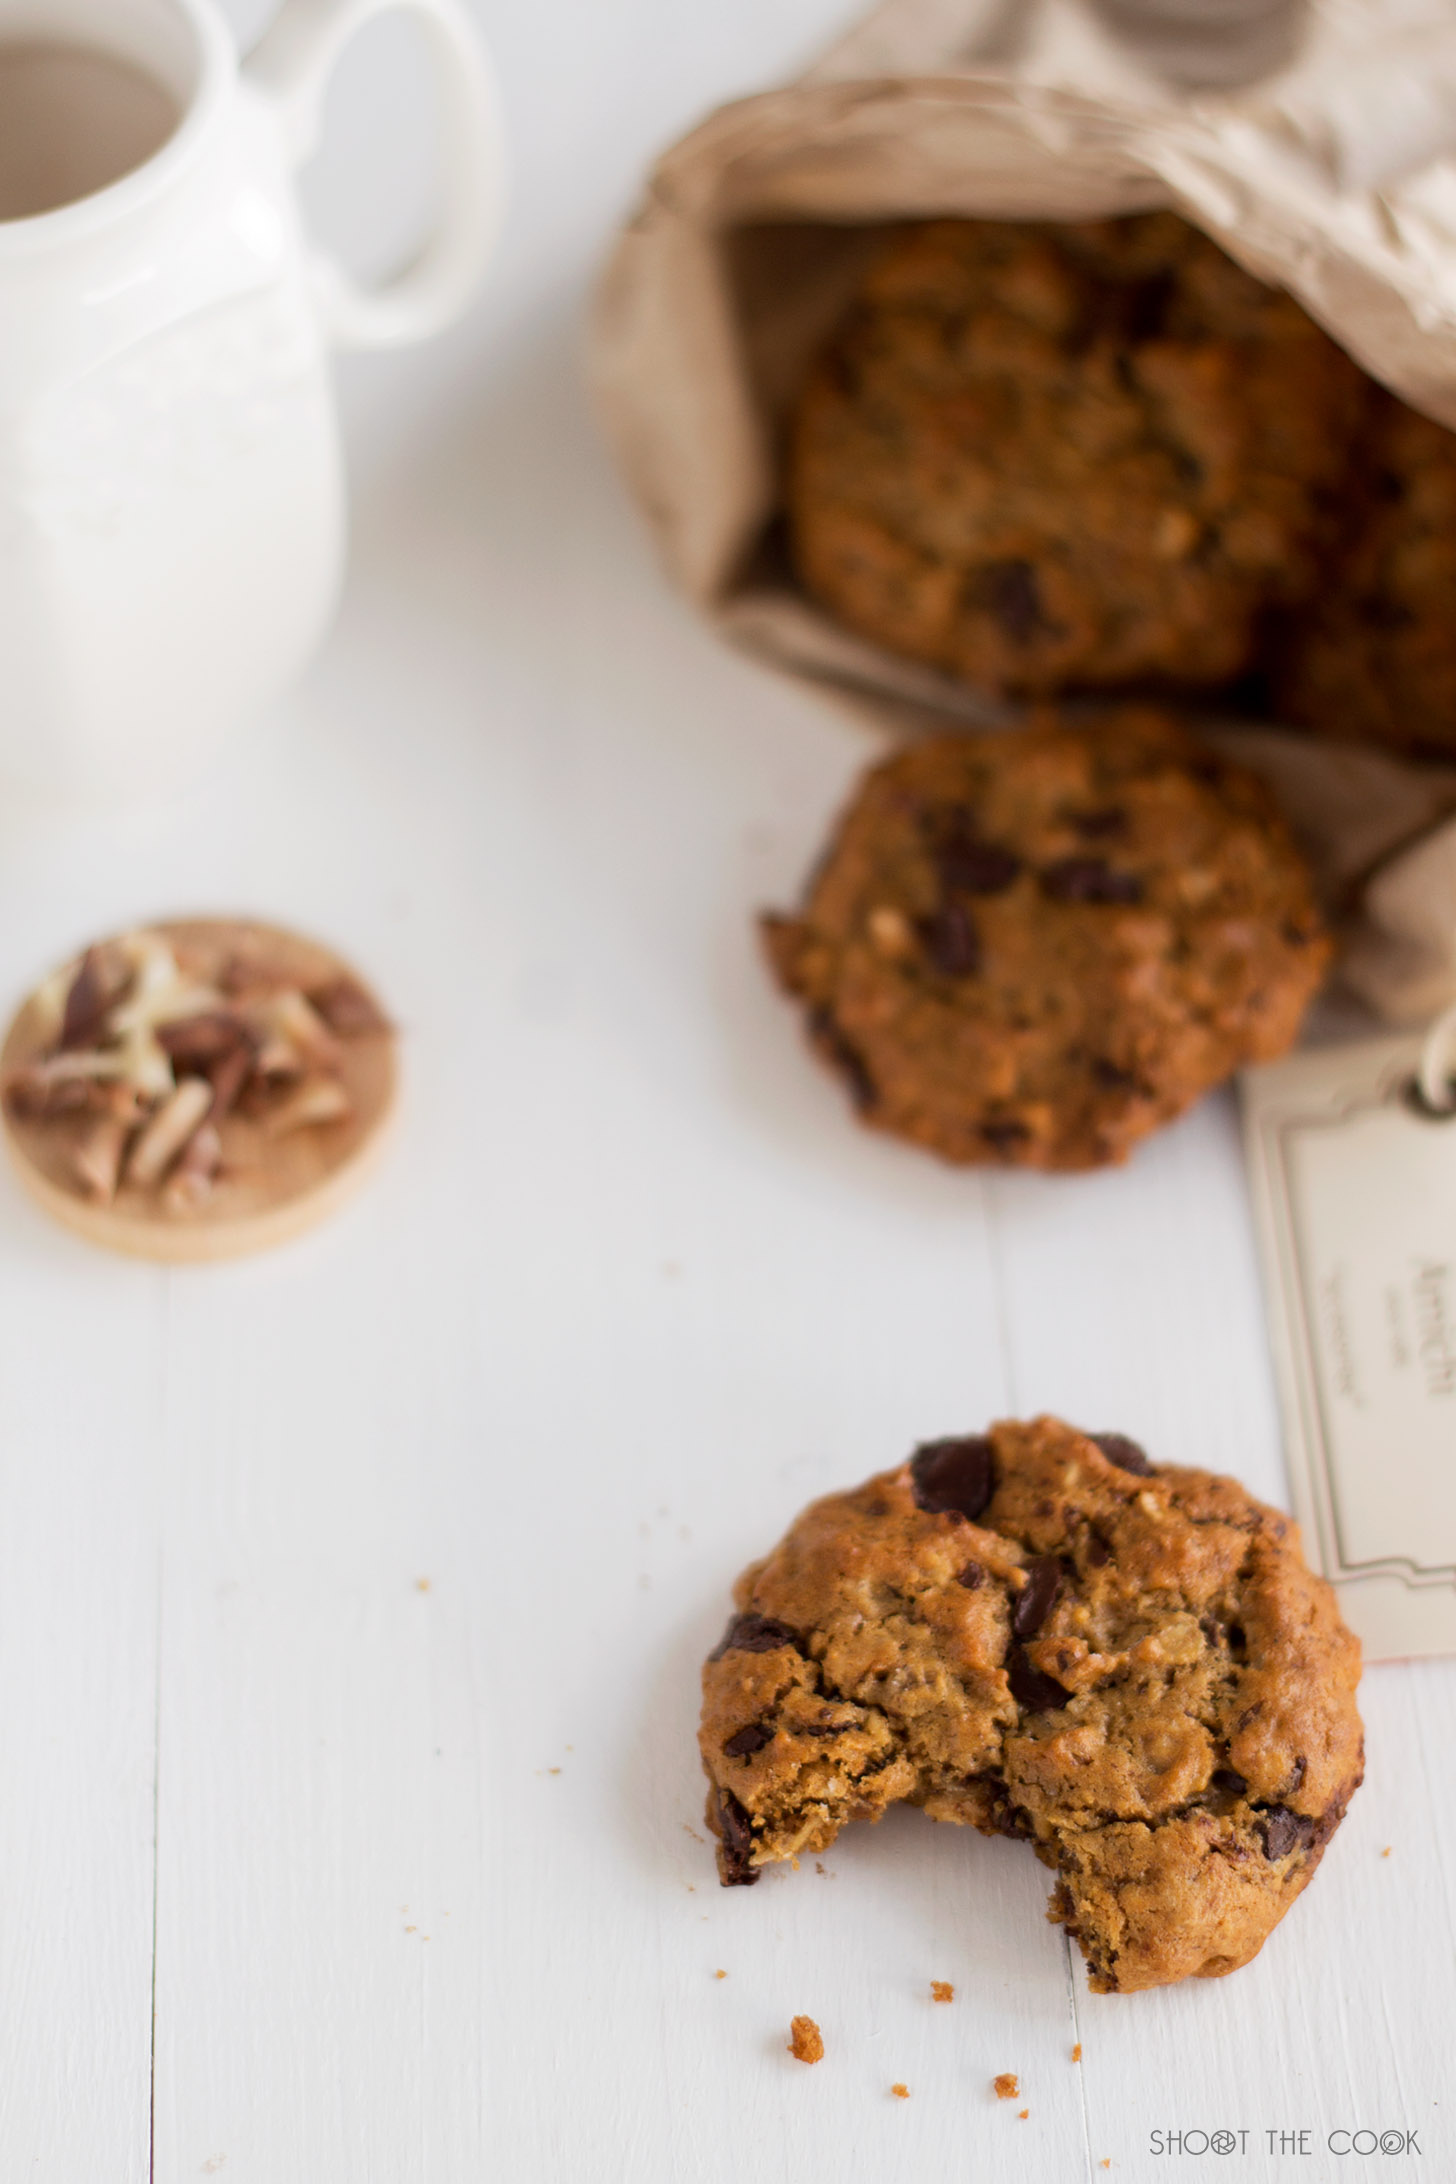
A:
(1355, 1204)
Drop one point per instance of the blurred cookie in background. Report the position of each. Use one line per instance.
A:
(1042, 457)
(1374, 657)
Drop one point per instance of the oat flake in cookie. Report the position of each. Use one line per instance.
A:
(1034, 946)
(1041, 1634)
(197, 1088)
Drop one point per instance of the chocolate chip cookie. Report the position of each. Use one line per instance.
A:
(1033, 947)
(1039, 1633)
(1375, 657)
(1041, 457)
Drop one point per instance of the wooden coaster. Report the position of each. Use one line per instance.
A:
(269, 1187)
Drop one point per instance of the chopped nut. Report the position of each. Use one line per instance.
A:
(168, 1132)
(317, 1100)
(286, 1015)
(96, 1161)
(200, 1043)
(278, 1058)
(101, 978)
(190, 1183)
(33, 1094)
(806, 2043)
(228, 1080)
(347, 1009)
(144, 1064)
(1176, 535)
(890, 932)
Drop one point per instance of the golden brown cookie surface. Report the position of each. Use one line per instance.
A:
(1036, 1632)
(1034, 947)
(1040, 457)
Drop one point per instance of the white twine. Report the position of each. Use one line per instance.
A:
(1436, 1073)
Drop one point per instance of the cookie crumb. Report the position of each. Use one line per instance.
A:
(1107, 2164)
(1006, 2086)
(1077, 2053)
(941, 1990)
(1386, 1852)
(901, 2092)
(1023, 2113)
(806, 2043)
(720, 1975)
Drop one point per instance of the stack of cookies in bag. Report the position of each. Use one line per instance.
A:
(1100, 467)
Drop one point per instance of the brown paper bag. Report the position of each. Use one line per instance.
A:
(1326, 178)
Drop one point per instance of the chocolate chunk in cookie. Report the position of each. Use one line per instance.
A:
(1132, 1670)
(995, 988)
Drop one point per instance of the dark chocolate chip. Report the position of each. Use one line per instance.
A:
(754, 1634)
(1029, 1687)
(1089, 879)
(1238, 1641)
(956, 1474)
(951, 941)
(845, 1057)
(1224, 1778)
(736, 1832)
(1098, 1551)
(1002, 1131)
(1126, 1454)
(1035, 1602)
(973, 1577)
(1009, 591)
(1140, 310)
(974, 867)
(1285, 1831)
(1100, 826)
(751, 1739)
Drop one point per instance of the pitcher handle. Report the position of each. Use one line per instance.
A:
(293, 64)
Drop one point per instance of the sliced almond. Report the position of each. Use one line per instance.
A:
(316, 1100)
(168, 1132)
(96, 1162)
(190, 1183)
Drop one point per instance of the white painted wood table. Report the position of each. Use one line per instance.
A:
(352, 1599)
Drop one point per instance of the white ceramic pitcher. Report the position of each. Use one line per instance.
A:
(171, 495)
